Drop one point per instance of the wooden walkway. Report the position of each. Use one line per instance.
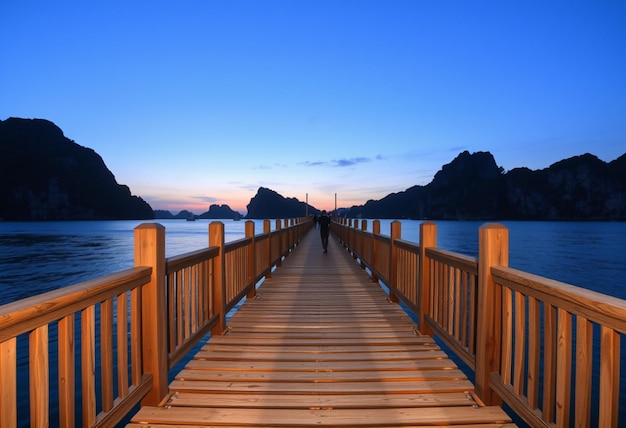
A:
(321, 346)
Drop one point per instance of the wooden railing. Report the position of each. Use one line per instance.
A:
(550, 350)
(108, 308)
(112, 340)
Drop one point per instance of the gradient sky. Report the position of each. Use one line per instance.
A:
(192, 103)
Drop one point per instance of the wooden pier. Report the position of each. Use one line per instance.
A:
(325, 340)
(320, 345)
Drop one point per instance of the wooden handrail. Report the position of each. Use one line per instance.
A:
(122, 315)
(518, 331)
(176, 263)
(24, 315)
(36, 315)
(568, 316)
(596, 307)
(494, 317)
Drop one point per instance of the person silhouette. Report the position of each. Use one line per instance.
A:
(324, 222)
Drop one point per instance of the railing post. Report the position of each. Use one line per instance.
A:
(362, 241)
(267, 229)
(292, 236)
(428, 238)
(352, 229)
(375, 266)
(150, 251)
(216, 239)
(279, 262)
(356, 242)
(493, 250)
(251, 258)
(396, 233)
(342, 232)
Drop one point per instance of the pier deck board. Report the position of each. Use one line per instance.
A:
(320, 346)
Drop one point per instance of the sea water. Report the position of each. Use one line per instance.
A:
(36, 257)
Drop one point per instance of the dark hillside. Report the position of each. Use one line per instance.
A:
(472, 186)
(46, 176)
(268, 204)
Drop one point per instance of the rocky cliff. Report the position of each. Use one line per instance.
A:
(268, 204)
(220, 212)
(472, 186)
(215, 212)
(46, 176)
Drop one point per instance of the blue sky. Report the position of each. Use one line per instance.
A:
(192, 103)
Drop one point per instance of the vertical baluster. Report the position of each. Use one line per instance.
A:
(520, 343)
(171, 310)
(252, 255)
(375, 250)
(67, 369)
(88, 364)
(463, 325)
(194, 298)
(584, 371)
(534, 352)
(122, 345)
(472, 314)
(457, 304)
(445, 298)
(179, 296)
(106, 353)
(8, 386)
(268, 248)
(396, 233)
(549, 362)
(609, 377)
(187, 302)
(506, 339)
(135, 335)
(39, 384)
(564, 368)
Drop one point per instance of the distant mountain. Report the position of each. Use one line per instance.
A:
(268, 204)
(166, 215)
(163, 214)
(472, 186)
(215, 212)
(46, 176)
(579, 188)
(185, 215)
(221, 212)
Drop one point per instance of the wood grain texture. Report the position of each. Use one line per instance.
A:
(320, 345)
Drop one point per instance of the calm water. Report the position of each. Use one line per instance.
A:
(587, 254)
(36, 257)
(42, 256)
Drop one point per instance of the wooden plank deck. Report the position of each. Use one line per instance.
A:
(321, 346)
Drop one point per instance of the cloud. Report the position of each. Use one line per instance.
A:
(316, 163)
(350, 162)
(204, 198)
(458, 149)
(340, 163)
(267, 167)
